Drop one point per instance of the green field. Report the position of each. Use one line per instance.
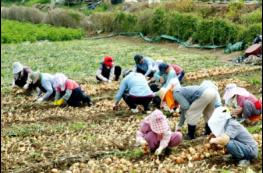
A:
(80, 59)
(17, 32)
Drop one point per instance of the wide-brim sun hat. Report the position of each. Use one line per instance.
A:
(232, 90)
(158, 122)
(60, 80)
(17, 67)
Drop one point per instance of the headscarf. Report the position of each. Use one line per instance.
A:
(34, 77)
(158, 122)
(218, 120)
(17, 67)
(60, 81)
(232, 90)
(108, 61)
(163, 67)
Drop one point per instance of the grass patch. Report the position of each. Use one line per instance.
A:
(129, 154)
(34, 129)
(77, 126)
(256, 128)
(16, 32)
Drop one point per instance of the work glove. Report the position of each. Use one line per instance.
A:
(212, 141)
(39, 100)
(59, 102)
(26, 86)
(178, 128)
(158, 151)
(140, 142)
(115, 106)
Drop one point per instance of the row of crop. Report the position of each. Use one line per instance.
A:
(15, 32)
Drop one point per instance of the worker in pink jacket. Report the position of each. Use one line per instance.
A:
(155, 132)
(69, 92)
(243, 103)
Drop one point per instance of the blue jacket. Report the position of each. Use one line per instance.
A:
(136, 84)
(147, 65)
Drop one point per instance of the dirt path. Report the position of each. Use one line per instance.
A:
(218, 53)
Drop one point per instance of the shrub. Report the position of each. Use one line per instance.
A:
(99, 21)
(59, 17)
(144, 21)
(234, 10)
(182, 25)
(247, 34)
(252, 17)
(216, 31)
(22, 14)
(158, 22)
(185, 5)
(124, 22)
(32, 2)
(179, 5)
(15, 32)
(208, 11)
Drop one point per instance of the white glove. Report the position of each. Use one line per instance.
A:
(109, 81)
(166, 108)
(140, 142)
(212, 141)
(178, 128)
(158, 151)
(171, 110)
(39, 100)
(26, 86)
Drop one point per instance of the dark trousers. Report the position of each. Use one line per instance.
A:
(117, 73)
(78, 97)
(133, 101)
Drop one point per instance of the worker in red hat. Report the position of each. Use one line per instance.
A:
(107, 71)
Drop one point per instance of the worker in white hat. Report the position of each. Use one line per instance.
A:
(20, 73)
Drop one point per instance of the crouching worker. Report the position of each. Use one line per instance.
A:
(243, 103)
(230, 133)
(134, 90)
(163, 77)
(20, 73)
(107, 71)
(43, 82)
(155, 132)
(144, 65)
(69, 92)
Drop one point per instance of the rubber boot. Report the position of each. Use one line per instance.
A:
(191, 132)
(207, 129)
